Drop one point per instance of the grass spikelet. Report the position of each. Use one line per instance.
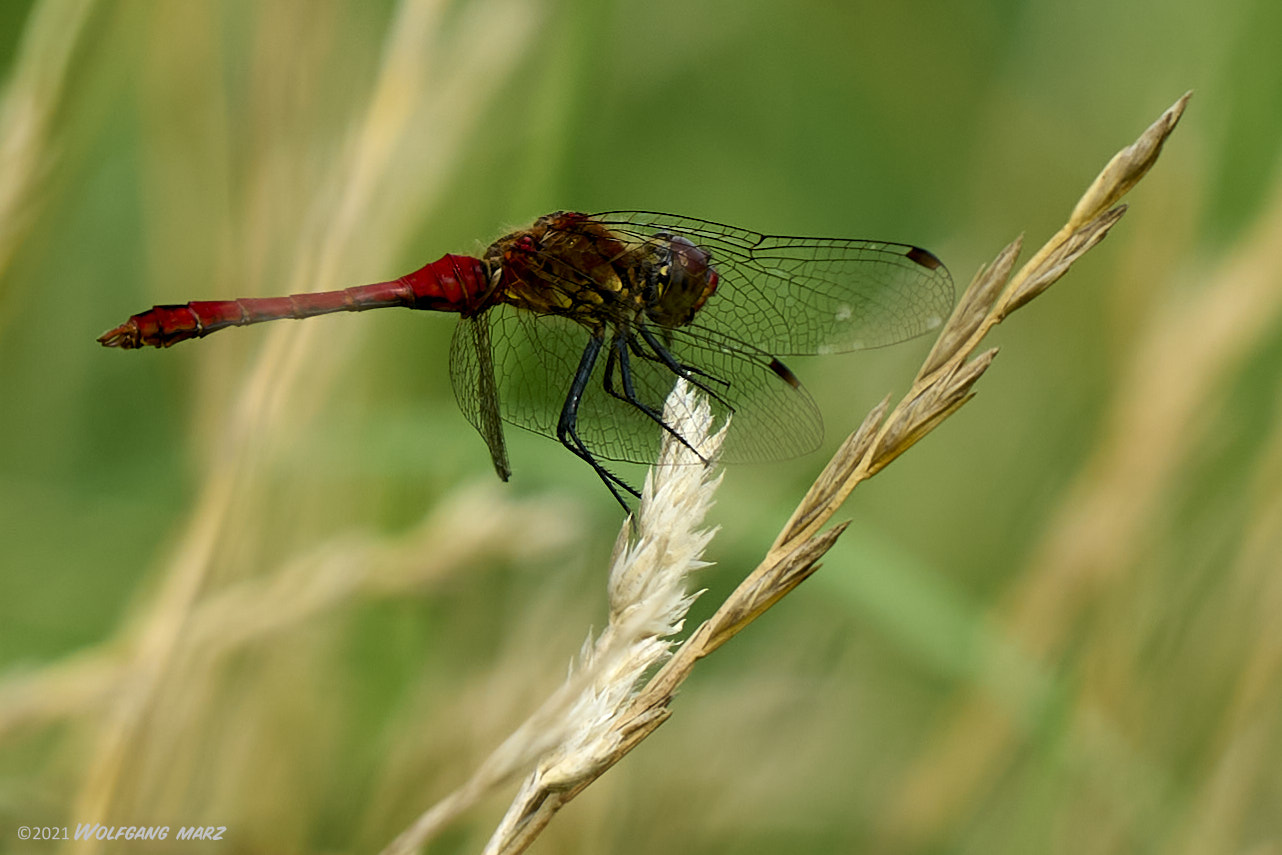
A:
(583, 728)
(611, 719)
(648, 604)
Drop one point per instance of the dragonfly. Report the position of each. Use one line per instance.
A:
(577, 328)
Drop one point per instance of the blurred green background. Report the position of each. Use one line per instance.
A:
(269, 581)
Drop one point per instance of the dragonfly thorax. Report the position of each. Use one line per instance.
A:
(564, 264)
(570, 265)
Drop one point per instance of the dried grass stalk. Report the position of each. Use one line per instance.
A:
(31, 97)
(1095, 549)
(943, 384)
(574, 736)
(477, 525)
(368, 191)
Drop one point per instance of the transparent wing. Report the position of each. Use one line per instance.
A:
(534, 358)
(800, 296)
(476, 388)
(775, 296)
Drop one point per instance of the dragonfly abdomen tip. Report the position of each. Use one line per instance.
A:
(124, 336)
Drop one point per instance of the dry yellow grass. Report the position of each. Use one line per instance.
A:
(142, 691)
(291, 658)
(34, 92)
(1159, 416)
(943, 384)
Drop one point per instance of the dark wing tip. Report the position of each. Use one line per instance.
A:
(926, 259)
(785, 372)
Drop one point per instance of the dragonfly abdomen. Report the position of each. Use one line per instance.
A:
(453, 283)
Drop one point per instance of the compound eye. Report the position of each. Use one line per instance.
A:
(693, 260)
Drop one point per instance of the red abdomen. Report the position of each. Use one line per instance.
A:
(452, 283)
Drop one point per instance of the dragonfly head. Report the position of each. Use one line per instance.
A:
(680, 280)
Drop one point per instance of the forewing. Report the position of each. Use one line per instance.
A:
(790, 295)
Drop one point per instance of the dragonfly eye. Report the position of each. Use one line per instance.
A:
(680, 281)
(692, 260)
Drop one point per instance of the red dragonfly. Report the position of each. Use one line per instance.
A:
(660, 297)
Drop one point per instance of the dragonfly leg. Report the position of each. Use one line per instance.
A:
(683, 371)
(566, 428)
(619, 359)
(690, 370)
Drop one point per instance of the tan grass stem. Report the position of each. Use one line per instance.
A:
(573, 734)
(371, 193)
(31, 97)
(471, 527)
(1220, 815)
(942, 385)
(1156, 420)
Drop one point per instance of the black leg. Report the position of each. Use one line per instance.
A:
(669, 360)
(619, 359)
(566, 428)
(684, 371)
